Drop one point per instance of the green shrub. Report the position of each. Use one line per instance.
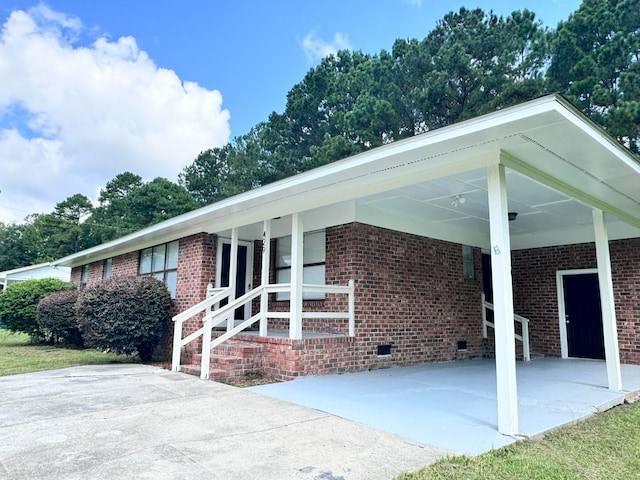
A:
(124, 314)
(57, 317)
(19, 301)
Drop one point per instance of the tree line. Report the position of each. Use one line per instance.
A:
(471, 63)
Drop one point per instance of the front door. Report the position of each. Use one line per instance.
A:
(243, 275)
(583, 315)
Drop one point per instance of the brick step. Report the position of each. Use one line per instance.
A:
(191, 369)
(223, 359)
(231, 359)
(215, 373)
(242, 349)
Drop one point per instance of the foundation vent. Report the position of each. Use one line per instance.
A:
(384, 349)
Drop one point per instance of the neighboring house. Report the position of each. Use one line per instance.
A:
(383, 258)
(42, 270)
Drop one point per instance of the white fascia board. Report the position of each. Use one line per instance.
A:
(24, 269)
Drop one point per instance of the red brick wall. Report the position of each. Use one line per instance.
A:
(196, 268)
(535, 292)
(122, 265)
(410, 293)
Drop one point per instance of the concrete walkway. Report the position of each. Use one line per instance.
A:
(139, 422)
(453, 405)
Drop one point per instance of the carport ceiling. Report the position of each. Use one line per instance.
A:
(457, 207)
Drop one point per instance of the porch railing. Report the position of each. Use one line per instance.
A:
(215, 316)
(524, 338)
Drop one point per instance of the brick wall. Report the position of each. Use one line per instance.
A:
(410, 294)
(196, 268)
(625, 263)
(535, 292)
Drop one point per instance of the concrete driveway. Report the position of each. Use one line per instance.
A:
(138, 422)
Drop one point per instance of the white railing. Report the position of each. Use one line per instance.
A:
(215, 317)
(524, 338)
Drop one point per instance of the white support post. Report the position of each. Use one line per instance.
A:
(177, 340)
(233, 274)
(352, 308)
(205, 360)
(264, 276)
(505, 349)
(297, 266)
(609, 323)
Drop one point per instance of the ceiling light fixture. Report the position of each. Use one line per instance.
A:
(458, 200)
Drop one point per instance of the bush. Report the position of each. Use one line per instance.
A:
(57, 317)
(124, 314)
(19, 301)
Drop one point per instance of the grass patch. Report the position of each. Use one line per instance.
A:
(18, 355)
(606, 445)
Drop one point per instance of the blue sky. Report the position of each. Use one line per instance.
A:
(89, 89)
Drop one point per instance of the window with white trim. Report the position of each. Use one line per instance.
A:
(161, 261)
(84, 277)
(106, 267)
(314, 263)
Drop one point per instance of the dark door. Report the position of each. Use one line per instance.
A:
(583, 316)
(241, 276)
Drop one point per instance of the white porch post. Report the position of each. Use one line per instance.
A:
(233, 273)
(297, 265)
(505, 348)
(264, 276)
(605, 281)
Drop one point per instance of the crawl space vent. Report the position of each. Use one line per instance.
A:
(384, 349)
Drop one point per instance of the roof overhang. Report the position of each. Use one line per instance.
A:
(560, 166)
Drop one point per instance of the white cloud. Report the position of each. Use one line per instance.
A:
(315, 48)
(72, 117)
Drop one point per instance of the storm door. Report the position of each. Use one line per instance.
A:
(243, 275)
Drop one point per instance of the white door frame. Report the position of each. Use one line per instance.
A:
(249, 268)
(562, 312)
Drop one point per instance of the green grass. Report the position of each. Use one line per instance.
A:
(605, 446)
(18, 355)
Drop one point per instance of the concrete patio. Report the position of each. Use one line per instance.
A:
(453, 405)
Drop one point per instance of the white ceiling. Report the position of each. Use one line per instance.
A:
(461, 202)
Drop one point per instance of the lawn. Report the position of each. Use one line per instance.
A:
(17, 355)
(605, 446)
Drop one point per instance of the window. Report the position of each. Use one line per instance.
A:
(467, 262)
(314, 263)
(161, 261)
(84, 276)
(106, 267)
